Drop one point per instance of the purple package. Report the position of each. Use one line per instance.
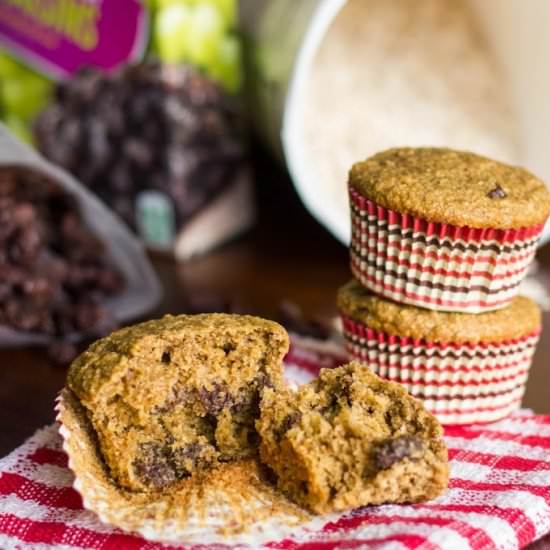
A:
(59, 37)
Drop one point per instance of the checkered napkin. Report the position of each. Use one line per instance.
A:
(499, 494)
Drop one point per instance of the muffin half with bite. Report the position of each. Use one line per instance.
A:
(349, 439)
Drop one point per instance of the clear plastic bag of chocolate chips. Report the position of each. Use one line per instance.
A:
(70, 270)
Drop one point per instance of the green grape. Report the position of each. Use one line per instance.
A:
(226, 8)
(227, 68)
(162, 4)
(205, 34)
(19, 127)
(171, 28)
(196, 31)
(8, 66)
(228, 11)
(23, 92)
(24, 95)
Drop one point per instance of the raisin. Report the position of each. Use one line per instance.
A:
(179, 396)
(229, 347)
(53, 270)
(215, 400)
(153, 466)
(497, 193)
(185, 459)
(144, 126)
(291, 317)
(263, 380)
(387, 453)
(288, 422)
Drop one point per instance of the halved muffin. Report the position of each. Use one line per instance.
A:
(173, 395)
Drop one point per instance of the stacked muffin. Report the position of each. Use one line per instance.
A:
(440, 242)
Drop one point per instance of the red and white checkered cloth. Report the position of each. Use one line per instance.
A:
(499, 494)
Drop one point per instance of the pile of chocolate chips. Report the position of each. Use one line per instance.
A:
(146, 127)
(54, 275)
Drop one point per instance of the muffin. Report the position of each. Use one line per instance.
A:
(444, 230)
(175, 395)
(466, 368)
(349, 439)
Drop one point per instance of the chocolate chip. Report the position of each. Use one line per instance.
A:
(166, 357)
(393, 450)
(153, 467)
(497, 193)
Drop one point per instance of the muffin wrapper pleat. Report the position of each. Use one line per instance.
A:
(434, 265)
(460, 383)
(231, 504)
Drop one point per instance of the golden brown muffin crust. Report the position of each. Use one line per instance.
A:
(453, 187)
(107, 358)
(521, 318)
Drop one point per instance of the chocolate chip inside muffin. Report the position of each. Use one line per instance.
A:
(174, 395)
(350, 439)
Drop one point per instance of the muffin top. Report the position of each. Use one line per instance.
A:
(452, 187)
(521, 318)
(108, 359)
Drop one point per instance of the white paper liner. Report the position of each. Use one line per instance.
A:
(231, 505)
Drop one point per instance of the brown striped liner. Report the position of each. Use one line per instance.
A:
(460, 383)
(434, 265)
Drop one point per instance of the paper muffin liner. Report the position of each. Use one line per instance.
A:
(435, 265)
(460, 383)
(230, 504)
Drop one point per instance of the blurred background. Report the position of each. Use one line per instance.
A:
(217, 136)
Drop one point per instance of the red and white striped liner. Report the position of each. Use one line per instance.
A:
(499, 497)
(460, 383)
(434, 265)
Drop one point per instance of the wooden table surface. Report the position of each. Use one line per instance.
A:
(288, 256)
